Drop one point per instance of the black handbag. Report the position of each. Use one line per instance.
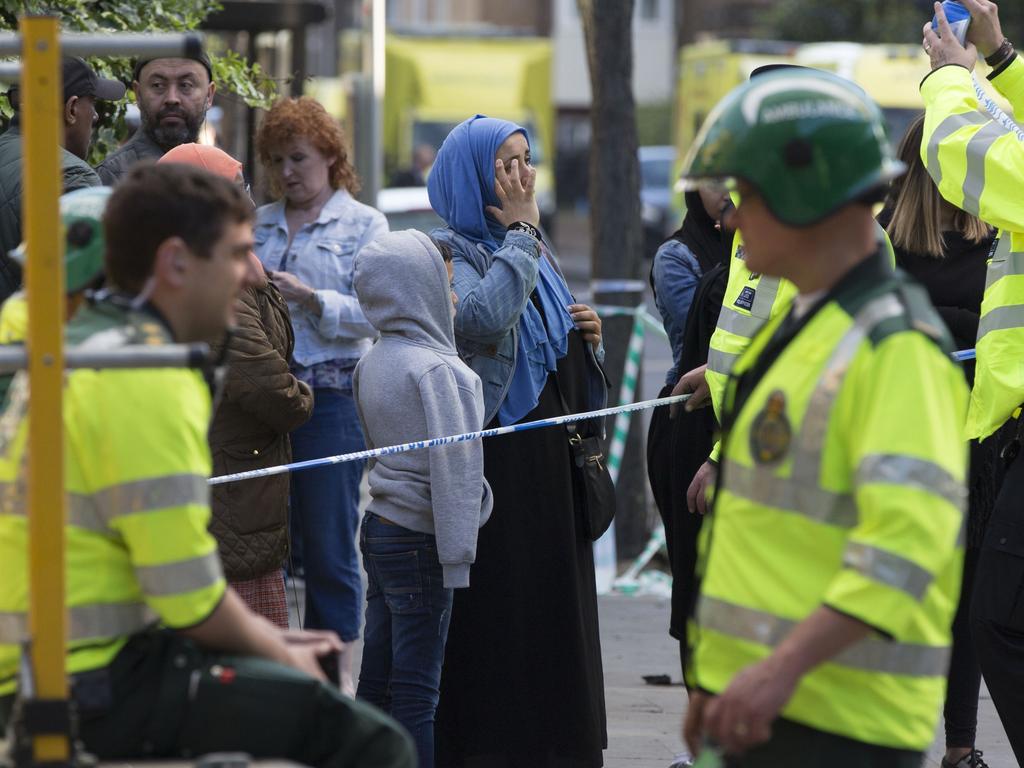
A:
(597, 491)
(591, 479)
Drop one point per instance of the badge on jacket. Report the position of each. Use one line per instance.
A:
(746, 298)
(771, 433)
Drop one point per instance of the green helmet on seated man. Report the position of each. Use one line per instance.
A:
(81, 214)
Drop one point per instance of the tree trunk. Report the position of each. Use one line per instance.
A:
(615, 229)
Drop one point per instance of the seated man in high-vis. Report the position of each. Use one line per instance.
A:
(977, 162)
(830, 566)
(165, 660)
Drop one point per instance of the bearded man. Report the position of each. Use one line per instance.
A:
(173, 96)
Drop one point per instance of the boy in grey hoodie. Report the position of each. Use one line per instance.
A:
(419, 533)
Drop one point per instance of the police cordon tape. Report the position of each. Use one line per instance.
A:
(618, 445)
(604, 549)
(960, 356)
(994, 110)
(449, 440)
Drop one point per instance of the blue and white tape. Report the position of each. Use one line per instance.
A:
(995, 112)
(437, 441)
(617, 286)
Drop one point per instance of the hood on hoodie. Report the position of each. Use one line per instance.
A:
(401, 282)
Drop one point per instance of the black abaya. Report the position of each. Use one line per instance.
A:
(522, 683)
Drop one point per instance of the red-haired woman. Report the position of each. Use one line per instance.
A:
(308, 240)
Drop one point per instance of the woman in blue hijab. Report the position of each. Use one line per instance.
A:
(503, 702)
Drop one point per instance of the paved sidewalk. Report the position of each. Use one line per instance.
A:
(644, 721)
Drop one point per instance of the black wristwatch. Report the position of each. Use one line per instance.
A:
(522, 226)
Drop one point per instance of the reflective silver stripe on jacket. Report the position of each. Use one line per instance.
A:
(761, 486)
(927, 476)
(801, 493)
(151, 494)
(764, 297)
(80, 509)
(943, 131)
(13, 627)
(869, 655)
(17, 407)
(887, 568)
(1001, 319)
(721, 362)
(85, 622)
(181, 576)
(810, 442)
(977, 149)
(95, 512)
(738, 323)
(1004, 262)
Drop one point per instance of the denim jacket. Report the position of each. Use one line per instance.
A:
(321, 256)
(493, 290)
(676, 273)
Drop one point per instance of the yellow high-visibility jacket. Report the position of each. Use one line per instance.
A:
(978, 165)
(750, 300)
(138, 504)
(14, 319)
(842, 484)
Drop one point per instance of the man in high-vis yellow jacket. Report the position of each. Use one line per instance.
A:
(166, 661)
(750, 300)
(977, 162)
(831, 564)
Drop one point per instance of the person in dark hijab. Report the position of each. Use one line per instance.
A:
(689, 276)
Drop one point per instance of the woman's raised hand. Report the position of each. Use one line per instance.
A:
(515, 190)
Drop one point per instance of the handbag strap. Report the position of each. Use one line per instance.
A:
(570, 428)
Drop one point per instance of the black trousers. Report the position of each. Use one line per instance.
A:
(793, 744)
(164, 698)
(960, 711)
(997, 606)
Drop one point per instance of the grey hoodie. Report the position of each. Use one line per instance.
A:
(412, 386)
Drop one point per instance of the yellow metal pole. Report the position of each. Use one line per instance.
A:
(42, 121)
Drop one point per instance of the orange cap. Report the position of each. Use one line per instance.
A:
(214, 160)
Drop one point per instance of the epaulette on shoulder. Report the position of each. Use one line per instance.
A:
(918, 315)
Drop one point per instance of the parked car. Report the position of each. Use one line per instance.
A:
(656, 165)
(408, 208)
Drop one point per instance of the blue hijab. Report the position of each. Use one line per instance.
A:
(461, 186)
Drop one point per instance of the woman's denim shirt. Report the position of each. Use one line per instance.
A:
(321, 256)
(676, 273)
(493, 289)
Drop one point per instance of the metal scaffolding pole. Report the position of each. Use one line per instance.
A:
(44, 281)
(132, 356)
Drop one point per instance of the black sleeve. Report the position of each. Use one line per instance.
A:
(962, 323)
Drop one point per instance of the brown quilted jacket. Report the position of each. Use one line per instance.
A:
(260, 404)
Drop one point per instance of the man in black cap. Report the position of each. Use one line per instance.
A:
(82, 89)
(173, 96)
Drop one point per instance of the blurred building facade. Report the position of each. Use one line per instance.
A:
(529, 16)
(719, 18)
(654, 67)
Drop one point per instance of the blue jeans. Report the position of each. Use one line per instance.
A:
(407, 615)
(325, 514)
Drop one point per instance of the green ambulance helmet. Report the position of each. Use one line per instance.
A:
(807, 140)
(81, 215)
